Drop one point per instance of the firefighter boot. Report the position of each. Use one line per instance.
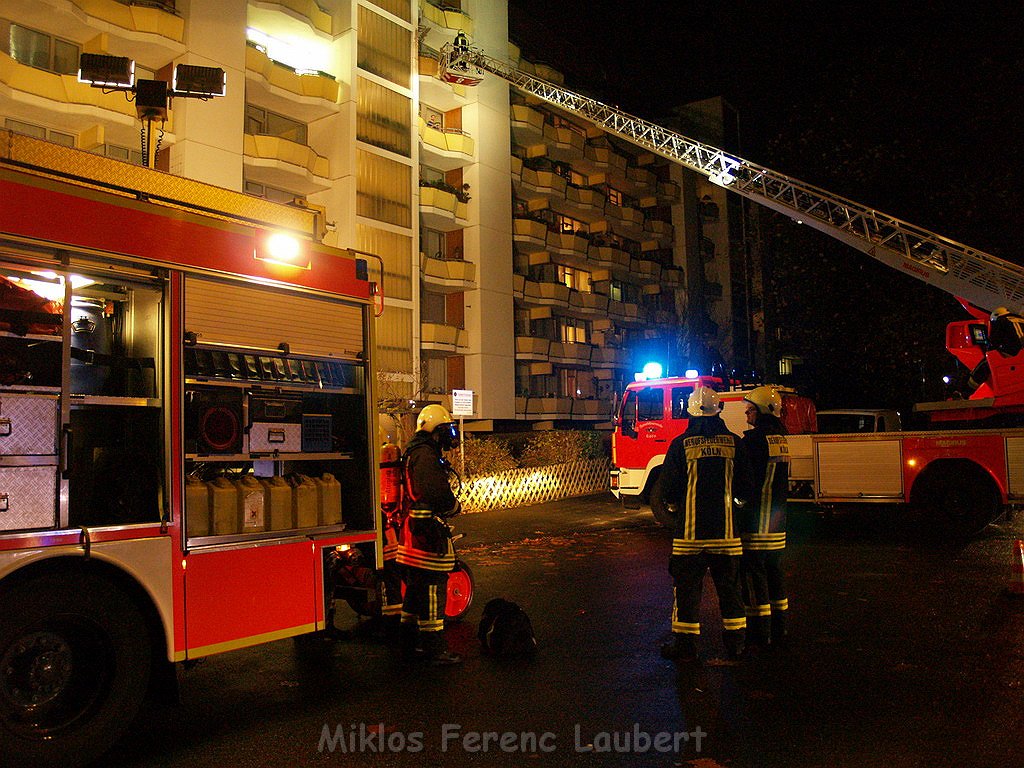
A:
(682, 647)
(780, 636)
(392, 626)
(759, 632)
(436, 652)
(408, 634)
(735, 643)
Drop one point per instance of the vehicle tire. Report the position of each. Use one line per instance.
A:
(959, 496)
(460, 592)
(75, 657)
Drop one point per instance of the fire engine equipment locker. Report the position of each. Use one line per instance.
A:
(224, 507)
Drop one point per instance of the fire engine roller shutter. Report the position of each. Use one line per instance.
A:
(223, 313)
(1015, 466)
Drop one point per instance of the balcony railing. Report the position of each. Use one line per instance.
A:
(285, 151)
(319, 85)
(446, 16)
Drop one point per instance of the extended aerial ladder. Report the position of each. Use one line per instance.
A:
(980, 281)
(967, 273)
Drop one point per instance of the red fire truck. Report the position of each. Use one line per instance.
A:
(187, 431)
(966, 475)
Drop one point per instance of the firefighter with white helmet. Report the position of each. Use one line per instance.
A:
(764, 519)
(425, 551)
(704, 469)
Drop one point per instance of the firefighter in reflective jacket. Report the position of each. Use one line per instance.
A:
(704, 469)
(764, 519)
(425, 551)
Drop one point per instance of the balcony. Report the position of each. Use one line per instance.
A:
(581, 203)
(532, 348)
(672, 276)
(543, 407)
(442, 338)
(540, 185)
(646, 269)
(609, 257)
(545, 294)
(563, 144)
(529, 235)
(441, 210)
(608, 357)
(285, 164)
(661, 231)
(568, 244)
(448, 276)
(571, 354)
(279, 88)
(63, 103)
(668, 192)
(307, 12)
(433, 90)
(602, 159)
(445, 148)
(151, 34)
(585, 303)
(446, 18)
(527, 125)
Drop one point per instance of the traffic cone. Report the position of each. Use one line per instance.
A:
(1016, 585)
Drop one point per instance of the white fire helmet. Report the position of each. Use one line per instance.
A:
(704, 401)
(766, 399)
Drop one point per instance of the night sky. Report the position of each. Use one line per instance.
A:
(937, 86)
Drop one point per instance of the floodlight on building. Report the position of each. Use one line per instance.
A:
(199, 82)
(102, 71)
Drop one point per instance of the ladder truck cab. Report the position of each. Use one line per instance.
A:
(965, 470)
(187, 434)
(652, 413)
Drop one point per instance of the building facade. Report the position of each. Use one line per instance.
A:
(525, 254)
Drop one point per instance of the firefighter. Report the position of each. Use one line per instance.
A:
(764, 519)
(425, 550)
(391, 526)
(704, 469)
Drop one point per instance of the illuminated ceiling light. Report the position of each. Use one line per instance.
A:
(201, 82)
(102, 71)
(282, 249)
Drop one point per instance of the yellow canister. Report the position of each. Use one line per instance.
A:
(224, 506)
(280, 513)
(197, 508)
(252, 502)
(304, 502)
(328, 499)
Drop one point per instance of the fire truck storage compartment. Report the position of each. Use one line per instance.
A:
(859, 469)
(28, 460)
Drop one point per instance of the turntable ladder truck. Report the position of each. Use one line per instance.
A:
(964, 476)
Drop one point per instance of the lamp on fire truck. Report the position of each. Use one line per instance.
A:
(281, 249)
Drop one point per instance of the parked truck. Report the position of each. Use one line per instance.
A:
(187, 432)
(971, 466)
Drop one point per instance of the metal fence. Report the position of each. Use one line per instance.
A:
(520, 487)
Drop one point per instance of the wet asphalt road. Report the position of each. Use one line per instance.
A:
(902, 655)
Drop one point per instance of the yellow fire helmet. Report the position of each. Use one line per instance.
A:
(766, 399)
(431, 417)
(704, 401)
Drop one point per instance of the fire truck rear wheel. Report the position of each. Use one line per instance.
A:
(958, 496)
(74, 666)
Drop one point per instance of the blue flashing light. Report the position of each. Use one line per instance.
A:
(652, 370)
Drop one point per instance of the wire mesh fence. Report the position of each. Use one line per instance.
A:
(534, 485)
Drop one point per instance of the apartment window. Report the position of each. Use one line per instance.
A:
(432, 117)
(396, 251)
(272, 194)
(576, 279)
(383, 118)
(522, 322)
(384, 48)
(432, 308)
(39, 132)
(261, 122)
(574, 330)
(568, 225)
(615, 292)
(383, 189)
(614, 196)
(123, 154)
(40, 50)
(394, 340)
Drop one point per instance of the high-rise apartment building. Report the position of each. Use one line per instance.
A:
(527, 255)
